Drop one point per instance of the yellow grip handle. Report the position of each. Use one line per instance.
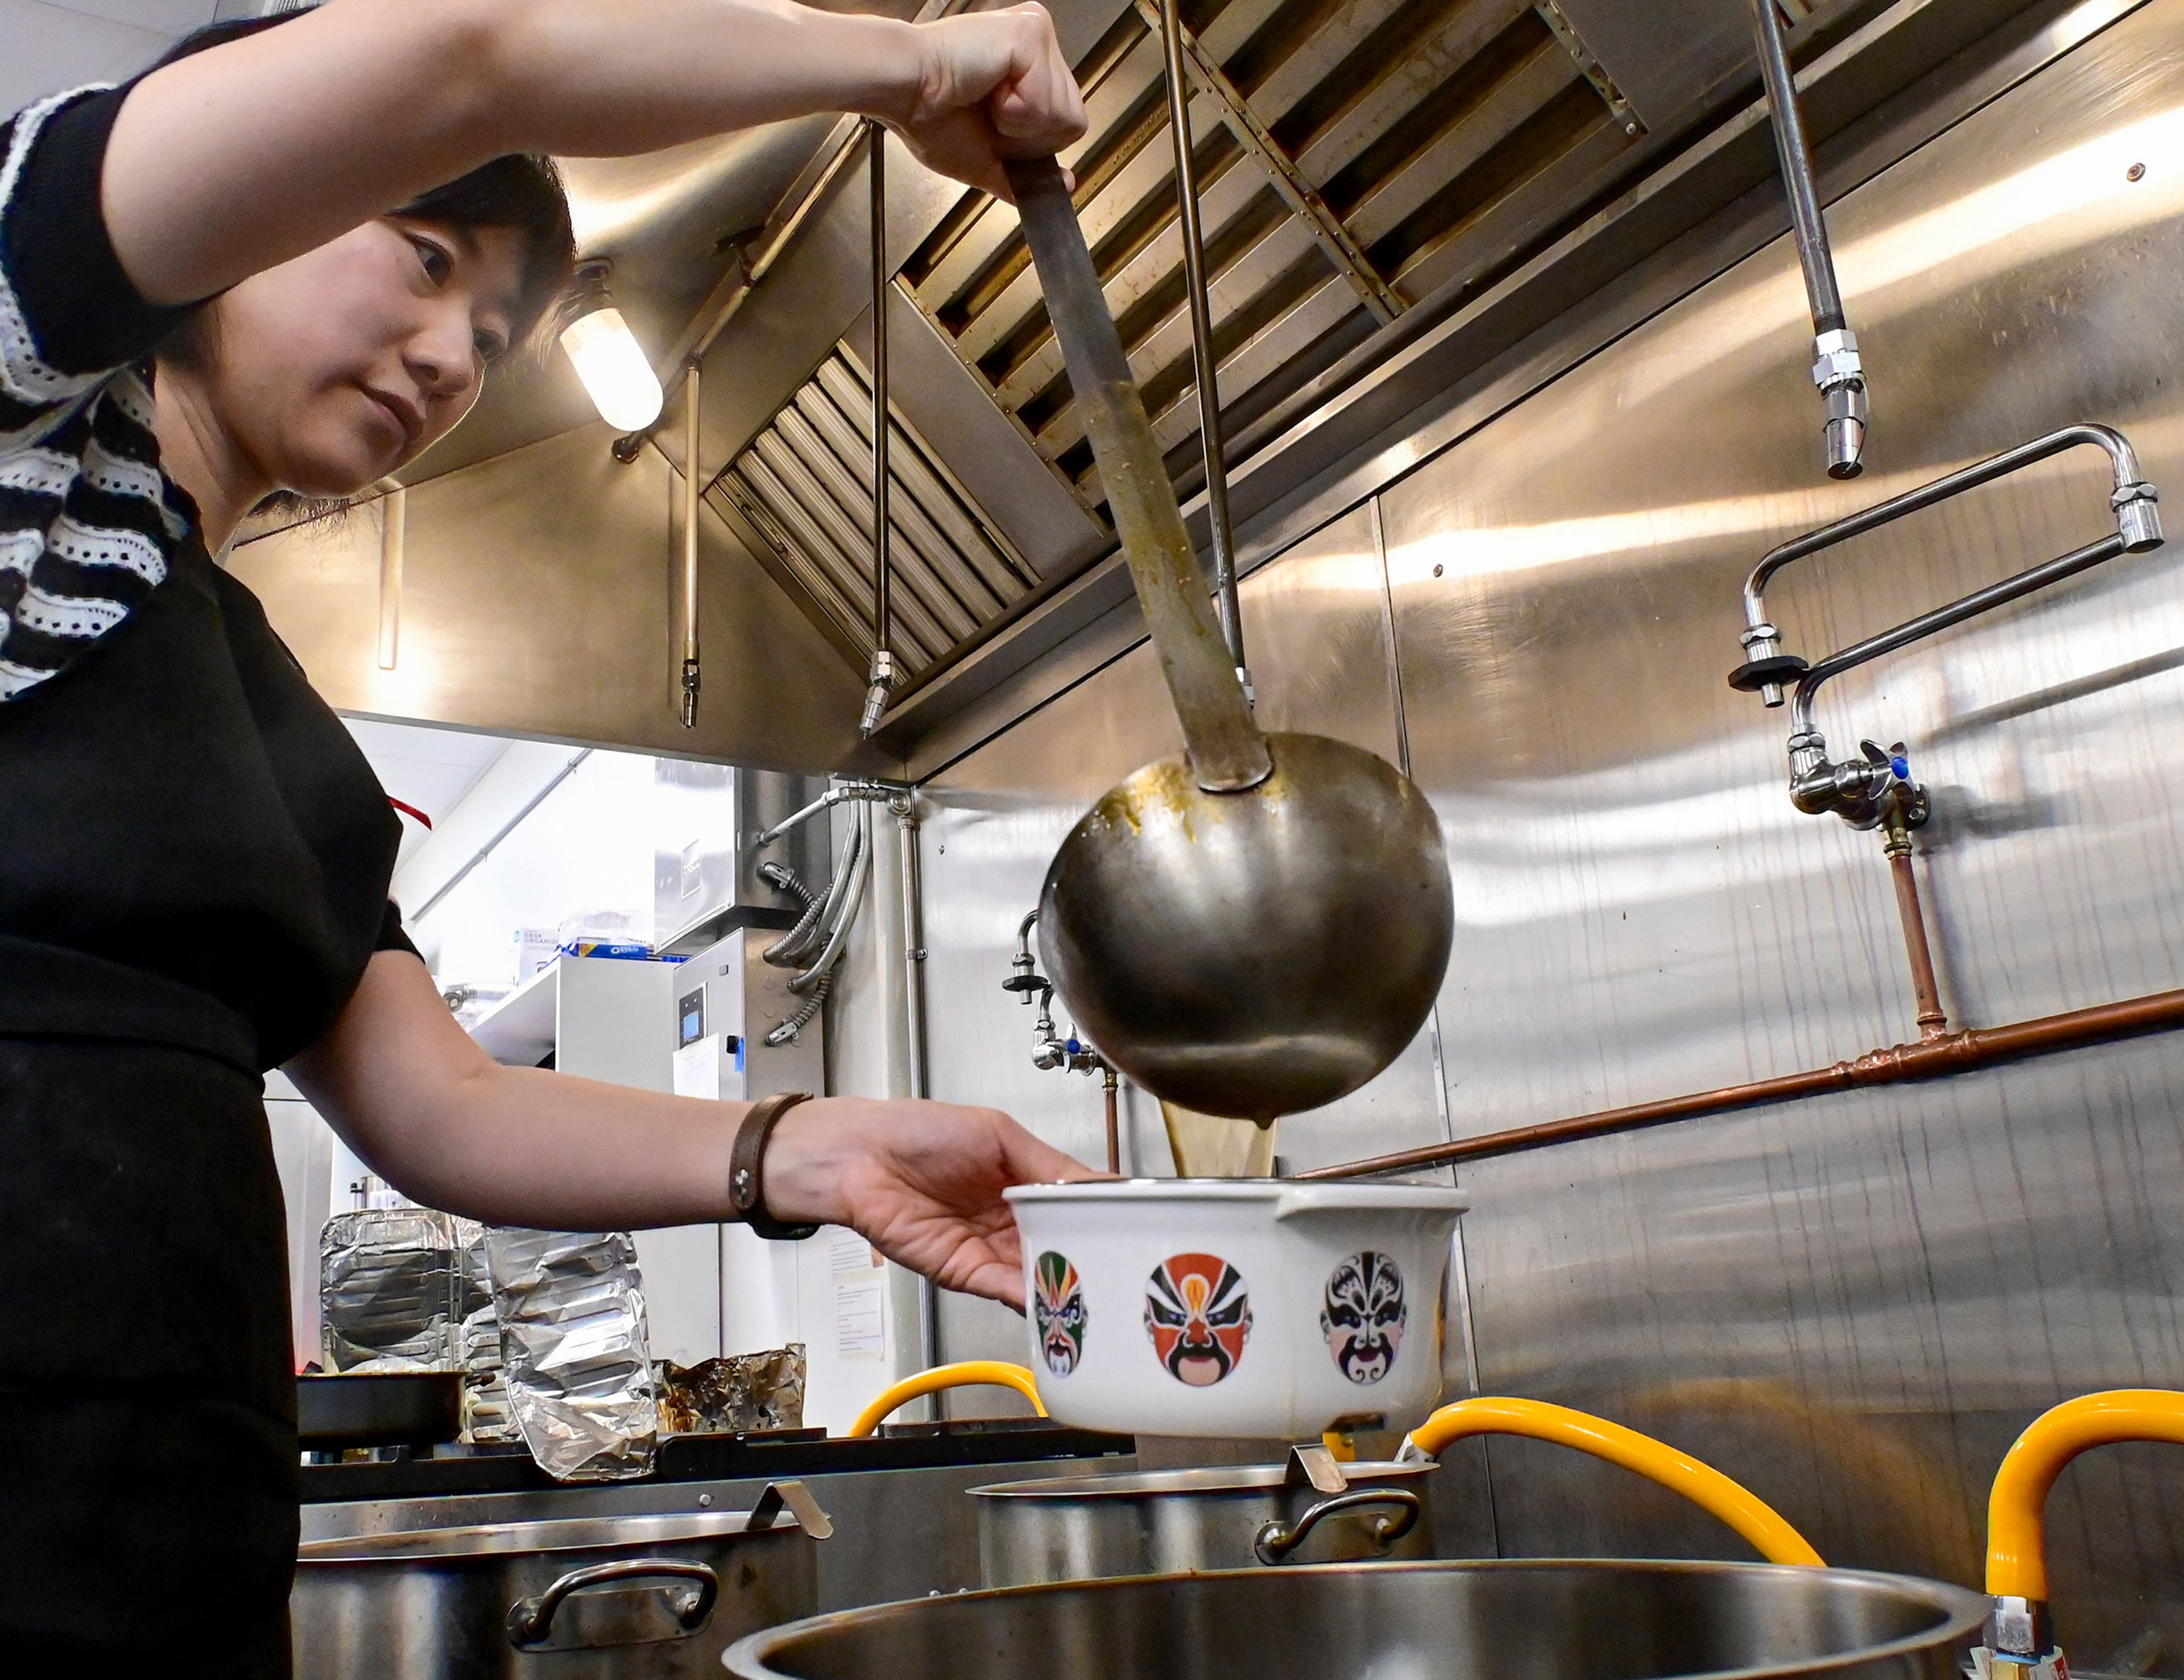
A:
(2016, 1559)
(1735, 1504)
(962, 1374)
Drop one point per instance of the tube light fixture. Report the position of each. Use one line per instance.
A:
(607, 356)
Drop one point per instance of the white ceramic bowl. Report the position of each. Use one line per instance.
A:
(1256, 1308)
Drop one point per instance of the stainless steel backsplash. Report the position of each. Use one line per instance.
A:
(1854, 1303)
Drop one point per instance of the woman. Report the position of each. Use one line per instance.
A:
(194, 857)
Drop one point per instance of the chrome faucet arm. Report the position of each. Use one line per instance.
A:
(2026, 582)
(1768, 671)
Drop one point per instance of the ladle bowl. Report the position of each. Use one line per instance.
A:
(1255, 953)
(1259, 923)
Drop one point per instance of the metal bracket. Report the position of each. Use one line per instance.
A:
(1347, 255)
(1594, 72)
(795, 1498)
(1316, 1467)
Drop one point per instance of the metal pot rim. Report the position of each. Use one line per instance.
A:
(539, 1536)
(1218, 1478)
(1960, 1614)
(1398, 1198)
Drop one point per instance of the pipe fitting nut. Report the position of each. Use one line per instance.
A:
(1835, 360)
(2019, 1630)
(2138, 520)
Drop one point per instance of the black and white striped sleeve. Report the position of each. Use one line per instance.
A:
(87, 520)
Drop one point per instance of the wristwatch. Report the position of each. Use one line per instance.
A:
(747, 1168)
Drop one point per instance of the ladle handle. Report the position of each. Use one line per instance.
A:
(1227, 750)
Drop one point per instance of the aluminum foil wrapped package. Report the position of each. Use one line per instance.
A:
(572, 1336)
(732, 1395)
(392, 1293)
(487, 1417)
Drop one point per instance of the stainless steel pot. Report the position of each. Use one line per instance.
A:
(1228, 1516)
(1595, 1620)
(611, 1598)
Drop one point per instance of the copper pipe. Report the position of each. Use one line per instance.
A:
(1950, 1052)
(1933, 1020)
(1108, 1088)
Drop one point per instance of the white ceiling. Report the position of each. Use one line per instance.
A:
(431, 769)
(57, 44)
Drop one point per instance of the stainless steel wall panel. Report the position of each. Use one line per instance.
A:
(1854, 1302)
(1853, 1306)
(537, 594)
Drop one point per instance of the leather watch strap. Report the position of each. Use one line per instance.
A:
(747, 1167)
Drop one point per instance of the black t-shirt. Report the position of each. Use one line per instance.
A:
(192, 850)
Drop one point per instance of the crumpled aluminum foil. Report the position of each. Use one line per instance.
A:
(395, 1289)
(487, 1417)
(572, 1309)
(731, 1395)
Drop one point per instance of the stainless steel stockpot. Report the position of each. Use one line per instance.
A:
(1227, 1516)
(1610, 1619)
(617, 1598)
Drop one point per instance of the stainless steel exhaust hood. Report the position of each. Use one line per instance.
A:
(1358, 160)
(1372, 171)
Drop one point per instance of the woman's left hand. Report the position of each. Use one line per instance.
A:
(922, 1181)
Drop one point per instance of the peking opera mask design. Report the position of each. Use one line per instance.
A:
(1057, 1308)
(1363, 1315)
(1199, 1316)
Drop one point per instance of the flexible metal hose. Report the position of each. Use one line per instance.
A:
(785, 950)
(796, 1023)
(813, 928)
(839, 926)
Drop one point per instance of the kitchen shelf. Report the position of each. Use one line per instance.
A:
(518, 1029)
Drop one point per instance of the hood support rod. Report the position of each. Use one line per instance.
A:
(690, 510)
(1212, 445)
(1837, 371)
(881, 680)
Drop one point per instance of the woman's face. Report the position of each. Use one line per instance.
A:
(336, 368)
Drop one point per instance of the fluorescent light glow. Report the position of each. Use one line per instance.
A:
(609, 361)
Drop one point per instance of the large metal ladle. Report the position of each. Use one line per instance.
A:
(1258, 925)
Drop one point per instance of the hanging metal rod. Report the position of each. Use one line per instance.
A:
(880, 683)
(691, 487)
(1837, 370)
(1347, 255)
(1212, 445)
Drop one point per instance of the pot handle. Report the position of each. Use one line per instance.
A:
(530, 1621)
(962, 1374)
(1277, 1540)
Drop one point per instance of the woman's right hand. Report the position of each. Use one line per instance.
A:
(993, 85)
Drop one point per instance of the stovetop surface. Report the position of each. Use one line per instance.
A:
(722, 1458)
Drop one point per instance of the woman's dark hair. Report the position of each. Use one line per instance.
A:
(522, 191)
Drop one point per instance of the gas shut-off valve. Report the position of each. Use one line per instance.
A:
(1873, 792)
(1052, 1050)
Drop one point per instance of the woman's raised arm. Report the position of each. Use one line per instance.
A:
(236, 159)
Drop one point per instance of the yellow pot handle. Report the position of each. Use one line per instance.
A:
(2016, 1559)
(1742, 1510)
(962, 1374)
